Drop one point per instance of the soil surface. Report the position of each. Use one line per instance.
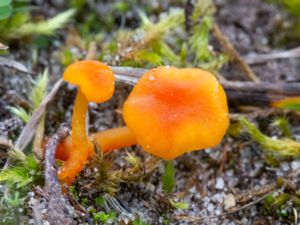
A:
(211, 182)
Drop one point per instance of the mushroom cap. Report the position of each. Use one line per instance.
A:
(95, 79)
(172, 111)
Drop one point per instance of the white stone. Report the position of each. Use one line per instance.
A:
(217, 198)
(285, 166)
(295, 165)
(229, 201)
(231, 223)
(210, 207)
(220, 183)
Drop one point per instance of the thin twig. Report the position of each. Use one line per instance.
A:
(59, 208)
(13, 64)
(238, 93)
(245, 198)
(226, 44)
(262, 58)
(38, 139)
(29, 130)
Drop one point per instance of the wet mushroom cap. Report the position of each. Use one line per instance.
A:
(95, 82)
(95, 79)
(172, 111)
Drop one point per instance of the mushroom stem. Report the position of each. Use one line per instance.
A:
(108, 140)
(80, 144)
(115, 138)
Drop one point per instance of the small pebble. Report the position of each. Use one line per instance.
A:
(218, 212)
(229, 201)
(150, 187)
(193, 189)
(210, 207)
(220, 183)
(295, 165)
(244, 220)
(285, 166)
(218, 198)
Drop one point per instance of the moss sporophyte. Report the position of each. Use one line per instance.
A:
(169, 112)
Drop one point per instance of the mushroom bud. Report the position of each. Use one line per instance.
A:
(95, 82)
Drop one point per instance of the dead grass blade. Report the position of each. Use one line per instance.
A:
(13, 64)
(227, 45)
(29, 130)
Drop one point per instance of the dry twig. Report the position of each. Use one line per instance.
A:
(262, 58)
(59, 209)
(239, 93)
(30, 128)
(226, 44)
(13, 64)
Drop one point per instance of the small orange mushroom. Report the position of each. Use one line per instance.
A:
(172, 111)
(96, 84)
(169, 112)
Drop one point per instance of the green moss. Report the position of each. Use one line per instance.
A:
(104, 217)
(280, 147)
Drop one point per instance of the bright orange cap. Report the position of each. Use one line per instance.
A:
(95, 79)
(172, 111)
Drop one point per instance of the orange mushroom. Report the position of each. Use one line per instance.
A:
(96, 84)
(169, 112)
(172, 111)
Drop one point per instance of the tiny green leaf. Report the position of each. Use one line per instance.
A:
(104, 217)
(150, 57)
(21, 113)
(100, 201)
(283, 124)
(5, 12)
(168, 178)
(39, 91)
(179, 205)
(5, 3)
(46, 27)
(139, 222)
